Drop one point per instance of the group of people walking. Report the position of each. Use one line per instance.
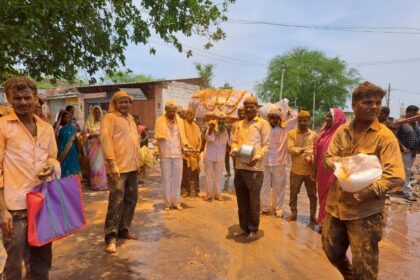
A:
(31, 151)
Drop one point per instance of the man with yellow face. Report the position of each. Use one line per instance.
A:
(170, 139)
(120, 144)
(300, 144)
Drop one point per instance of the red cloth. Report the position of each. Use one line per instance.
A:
(324, 177)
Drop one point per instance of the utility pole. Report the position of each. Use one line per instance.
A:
(388, 98)
(282, 69)
(313, 111)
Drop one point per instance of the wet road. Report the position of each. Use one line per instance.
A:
(195, 243)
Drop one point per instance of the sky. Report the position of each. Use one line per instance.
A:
(258, 44)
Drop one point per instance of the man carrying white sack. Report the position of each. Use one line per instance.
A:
(355, 220)
(169, 140)
(217, 138)
(275, 176)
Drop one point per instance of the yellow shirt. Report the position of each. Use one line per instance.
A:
(23, 156)
(120, 142)
(254, 133)
(377, 140)
(297, 140)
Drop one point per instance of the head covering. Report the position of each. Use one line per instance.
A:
(304, 114)
(90, 121)
(251, 100)
(274, 112)
(326, 177)
(171, 104)
(115, 97)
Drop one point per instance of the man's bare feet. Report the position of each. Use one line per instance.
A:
(179, 207)
(252, 236)
(239, 233)
(111, 248)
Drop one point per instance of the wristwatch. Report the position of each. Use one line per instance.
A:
(356, 196)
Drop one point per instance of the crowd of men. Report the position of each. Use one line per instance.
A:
(28, 155)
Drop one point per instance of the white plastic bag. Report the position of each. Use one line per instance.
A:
(357, 172)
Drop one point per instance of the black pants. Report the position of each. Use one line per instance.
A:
(227, 159)
(248, 188)
(40, 258)
(190, 179)
(123, 195)
(362, 236)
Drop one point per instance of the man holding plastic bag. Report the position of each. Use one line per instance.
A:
(354, 212)
(28, 154)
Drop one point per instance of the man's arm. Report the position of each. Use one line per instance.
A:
(6, 219)
(291, 145)
(265, 140)
(107, 130)
(392, 167)
(332, 155)
(292, 121)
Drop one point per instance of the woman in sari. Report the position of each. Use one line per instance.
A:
(324, 178)
(92, 147)
(67, 148)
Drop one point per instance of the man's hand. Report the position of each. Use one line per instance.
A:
(253, 162)
(45, 172)
(6, 222)
(115, 176)
(313, 176)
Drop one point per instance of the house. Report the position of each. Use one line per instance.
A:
(149, 98)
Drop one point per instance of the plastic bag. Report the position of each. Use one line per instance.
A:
(357, 172)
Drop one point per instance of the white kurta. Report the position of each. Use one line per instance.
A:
(214, 161)
(275, 162)
(171, 165)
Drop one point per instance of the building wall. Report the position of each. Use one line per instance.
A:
(179, 91)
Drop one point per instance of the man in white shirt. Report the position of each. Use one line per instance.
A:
(275, 162)
(169, 140)
(217, 139)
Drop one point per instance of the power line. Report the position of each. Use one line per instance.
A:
(384, 62)
(359, 29)
(406, 91)
(215, 56)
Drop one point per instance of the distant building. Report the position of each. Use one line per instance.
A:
(149, 98)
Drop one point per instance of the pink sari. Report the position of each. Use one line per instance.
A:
(325, 178)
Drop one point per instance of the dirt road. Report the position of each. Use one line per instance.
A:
(195, 243)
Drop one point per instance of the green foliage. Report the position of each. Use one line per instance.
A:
(205, 71)
(226, 86)
(305, 72)
(58, 38)
(47, 83)
(127, 76)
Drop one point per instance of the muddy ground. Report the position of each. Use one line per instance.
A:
(195, 243)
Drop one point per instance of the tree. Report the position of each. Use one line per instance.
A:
(308, 72)
(126, 76)
(226, 86)
(205, 71)
(57, 38)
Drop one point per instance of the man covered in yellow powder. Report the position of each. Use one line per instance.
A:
(300, 144)
(356, 219)
(120, 144)
(190, 175)
(169, 140)
(28, 155)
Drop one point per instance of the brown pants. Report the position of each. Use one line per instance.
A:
(363, 236)
(190, 180)
(295, 184)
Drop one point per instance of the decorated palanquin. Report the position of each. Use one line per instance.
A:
(210, 102)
